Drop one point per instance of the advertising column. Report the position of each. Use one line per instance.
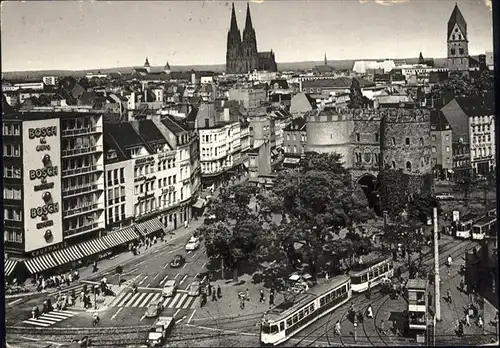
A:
(42, 184)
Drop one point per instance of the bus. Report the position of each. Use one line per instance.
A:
(287, 319)
(485, 226)
(371, 274)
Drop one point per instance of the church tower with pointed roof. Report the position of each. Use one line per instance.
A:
(242, 55)
(166, 69)
(458, 43)
(147, 66)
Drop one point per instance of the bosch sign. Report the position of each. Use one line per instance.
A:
(42, 132)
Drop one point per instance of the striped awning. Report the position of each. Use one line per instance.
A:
(40, 263)
(150, 226)
(67, 255)
(9, 266)
(120, 237)
(93, 246)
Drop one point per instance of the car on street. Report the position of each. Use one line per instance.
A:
(177, 261)
(444, 196)
(170, 288)
(193, 244)
(154, 309)
(159, 333)
(194, 289)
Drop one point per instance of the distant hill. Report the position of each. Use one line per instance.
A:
(337, 64)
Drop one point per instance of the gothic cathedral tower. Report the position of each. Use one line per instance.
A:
(458, 45)
(233, 53)
(249, 45)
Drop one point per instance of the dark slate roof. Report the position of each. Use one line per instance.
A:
(324, 69)
(438, 121)
(340, 82)
(296, 124)
(438, 76)
(150, 133)
(457, 18)
(172, 126)
(473, 62)
(476, 106)
(6, 107)
(111, 144)
(124, 135)
(283, 84)
(312, 101)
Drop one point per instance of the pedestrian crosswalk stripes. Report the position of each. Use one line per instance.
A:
(48, 319)
(139, 300)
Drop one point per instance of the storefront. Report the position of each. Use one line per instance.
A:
(81, 254)
(150, 227)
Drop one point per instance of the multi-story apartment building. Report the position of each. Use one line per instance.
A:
(220, 144)
(473, 122)
(50, 80)
(250, 98)
(53, 170)
(441, 146)
(295, 138)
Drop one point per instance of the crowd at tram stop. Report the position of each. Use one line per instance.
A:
(68, 299)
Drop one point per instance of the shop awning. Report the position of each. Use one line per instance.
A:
(93, 246)
(67, 255)
(9, 266)
(124, 236)
(40, 263)
(150, 226)
(200, 203)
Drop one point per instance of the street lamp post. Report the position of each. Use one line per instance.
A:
(355, 328)
(95, 297)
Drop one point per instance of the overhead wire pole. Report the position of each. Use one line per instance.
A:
(437, 295)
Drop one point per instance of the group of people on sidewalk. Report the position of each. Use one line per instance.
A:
(355, 317)
(55, 281)
(209, 290)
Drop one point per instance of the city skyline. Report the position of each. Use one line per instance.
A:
(90, 35)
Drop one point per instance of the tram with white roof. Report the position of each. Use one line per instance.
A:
(287, 319)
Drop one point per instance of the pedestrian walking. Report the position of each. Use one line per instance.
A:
(369, 312)
(382, 327)
(247, 295)
(271, 299)
(242, 302)
(219, 291)
(261, 300)
(448, 296)
(94, 269)
(462, 285)
(480, 322)
(467, 319)
(186, 224)
(209, 289)
(326, 275)
(214, 296)
(337, 328)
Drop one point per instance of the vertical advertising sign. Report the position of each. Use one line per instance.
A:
(42, 183)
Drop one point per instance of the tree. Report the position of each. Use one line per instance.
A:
(420, 207)
(465, 184)
(392, 191)
(323, 162)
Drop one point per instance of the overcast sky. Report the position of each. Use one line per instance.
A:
(39, 35)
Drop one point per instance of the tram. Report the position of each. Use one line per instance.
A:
(371, 274)
(483, 227)
(287, 319)
(463, 227)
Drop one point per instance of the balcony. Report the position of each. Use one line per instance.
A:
(83, 229)
(82, 170)
(81, 151)
(78, 190)
(82, 210)
(80, 131)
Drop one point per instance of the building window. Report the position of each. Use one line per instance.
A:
(393, 141)
(407, 141)
(447, 149)
(433, 138)
(11, 150)
(358, 157)
(376, 137)
(434, 149)
(408, 166)
(358, 137)
(448, 161)
(393, 163)
(461, 50)
(447, 138)
(452, 51)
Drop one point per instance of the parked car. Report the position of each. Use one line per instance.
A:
(444, 196)
(194, 288)
(154, 309)
(170, 288)
(193, 244)
(177, 261)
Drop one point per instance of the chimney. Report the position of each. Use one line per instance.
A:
(226, 115)
(207, 123)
